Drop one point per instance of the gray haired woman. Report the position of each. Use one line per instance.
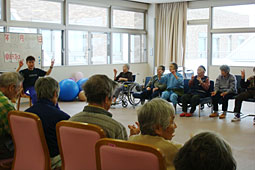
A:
(157, 126)
(225, 89)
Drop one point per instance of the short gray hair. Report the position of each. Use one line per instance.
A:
(225, 68)
(127, 65)
(10, 78)
(98, 87)
(156, 112)
(45, 88)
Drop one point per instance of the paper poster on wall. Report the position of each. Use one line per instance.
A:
(40, 39)
(7, 57)
(15, 57)
(21, 38)
(7, 38)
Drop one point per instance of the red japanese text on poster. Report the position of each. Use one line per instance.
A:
(21, 38)
(15, 57)
(7, 57)
(40, 39)
(7, 38)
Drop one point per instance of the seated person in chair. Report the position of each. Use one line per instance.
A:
(99, 90)
(199, 85)
(47, 90)
(157, 126)
(31, 74)
(121, 78)
(174, 82)
(155, 86)
(225, 89)
(10, 87)
(249, 85)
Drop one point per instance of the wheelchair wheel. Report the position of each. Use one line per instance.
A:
(209, 104)
(202, 107)
(134, 88)
(124, 102)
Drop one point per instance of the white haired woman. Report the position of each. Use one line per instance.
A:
(157, 126)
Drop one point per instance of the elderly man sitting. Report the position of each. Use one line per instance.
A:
(157, 126)
(10, 87)
(225, 89)
(47, 90)
(99, 90)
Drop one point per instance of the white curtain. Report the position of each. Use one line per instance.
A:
(171, 25)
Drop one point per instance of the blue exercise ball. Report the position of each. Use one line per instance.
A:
(69, 90)
(81, 82)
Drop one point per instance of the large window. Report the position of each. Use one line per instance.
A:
(77, 48)
(35, 11)
(119, 48)
(87, 15)
(52, 47)
(128, 19)
(196, 46)
(240, 16)
(0, 9)
(236, 49)
(22, 30)
(1, 29)
(99, 48)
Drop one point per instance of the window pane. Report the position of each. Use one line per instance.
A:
(234, 16)
(99, 48)
(128, 19)
(233, 49)
(196, 47)
(1, 29)
(22, 30)
(87, 15)
(78, 47)
(52, 45)
(36, 11)
(202, 13)
(135, 48)
(119, 48)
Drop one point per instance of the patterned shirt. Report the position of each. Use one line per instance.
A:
(5, 107)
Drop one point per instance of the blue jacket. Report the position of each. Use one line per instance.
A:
(173, 83)
(50, 115)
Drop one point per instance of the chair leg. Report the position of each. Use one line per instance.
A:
(199, 109)
(18, 104)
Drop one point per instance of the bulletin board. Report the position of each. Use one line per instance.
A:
(17, 46)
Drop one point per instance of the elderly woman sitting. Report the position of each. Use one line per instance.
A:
(225, 89)
(157, 126)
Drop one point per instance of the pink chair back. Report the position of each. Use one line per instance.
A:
(116, 154)
(76, 143)
(31, 151)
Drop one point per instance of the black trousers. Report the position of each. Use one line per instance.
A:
(149, 94)
(241, 97)
(223, 100)
(193, 99)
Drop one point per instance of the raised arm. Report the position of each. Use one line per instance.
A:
(51, 67)
(20, 65)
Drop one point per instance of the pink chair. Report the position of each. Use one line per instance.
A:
(76, 143)
(117, 154)
(31, 151)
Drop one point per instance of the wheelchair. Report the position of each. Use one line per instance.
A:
(126, 94)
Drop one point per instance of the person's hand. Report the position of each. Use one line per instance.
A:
(148, 88)
(52, 62)
(21, 63)
(115, 71)
(243, 74)
(133, 129)
(213, 93)
(173, 72)
(200, 80)
(192, 77)
(155, 89)
(223, 94)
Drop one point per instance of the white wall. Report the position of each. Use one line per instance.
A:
(214, 71)
(64, 72)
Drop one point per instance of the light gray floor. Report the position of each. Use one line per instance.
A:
(240, 135)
